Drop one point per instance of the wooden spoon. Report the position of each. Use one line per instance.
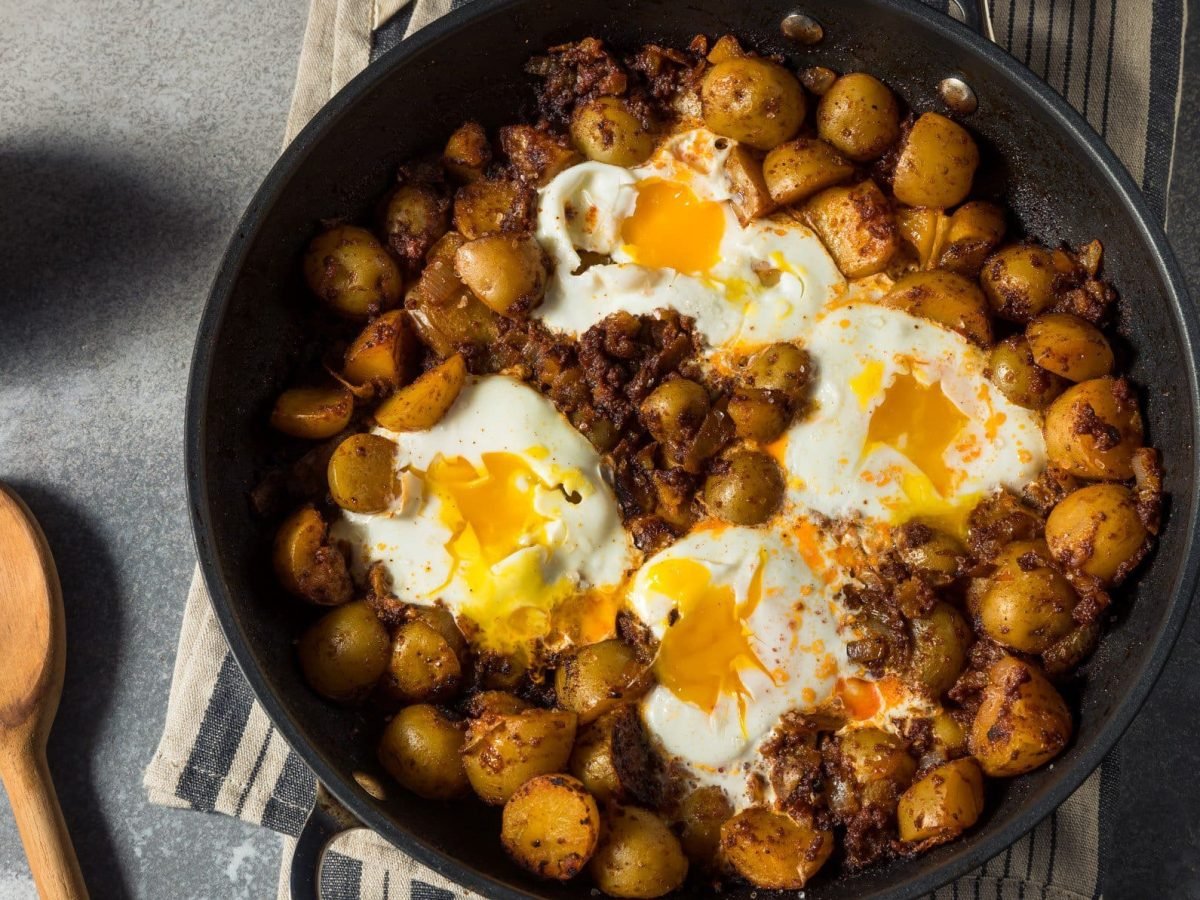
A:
(32, 660)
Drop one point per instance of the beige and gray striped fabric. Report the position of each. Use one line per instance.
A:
(1117, 61)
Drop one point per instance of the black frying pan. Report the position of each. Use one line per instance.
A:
(1050, 168)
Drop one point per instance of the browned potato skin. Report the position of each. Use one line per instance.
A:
(535, 155)
(422, 404)
(312, 413)
(467, 152)
(758, 415)
(493, 205)
(775, 851)
(362, 473)
(749, 194)
(753, 101)
(937, 163)
(606, 130)
(443, 622)
(701, 815)
(613, 758)
(414, 217)
(600, 677)
(638, 856)
(1097, 530)
(382, 352)
(345, 652)
(1069, 346)
(859, 116)
(551, 826)
(934, 556)
(351, 272)
(506, 271)
(503, 751)
(306, 564)
(878, 761)
(1012, 369)
(974, 231)
(942, 804)
(420, 749)
(945, 298)
(675, 409)
(949, 737)
(1093, 429)
(744, 487)
(796, 170)
(857, 227)
(423, 667)
(494, 703)
(1022, 722)
(1027, 605)
(1019, 282)
(783, 368)
(941, 639)
(444, 313)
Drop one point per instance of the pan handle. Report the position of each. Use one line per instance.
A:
(977, 16)
(327, 820)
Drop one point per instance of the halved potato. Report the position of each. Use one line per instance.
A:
(421, 405)
(313, 413)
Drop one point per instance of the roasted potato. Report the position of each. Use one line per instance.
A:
(345, 652)
(351, 272)
(414, 217)
(506, 271)
(675, 409)
(796, 170)
(1022, 722)
(754, 101)
(494, 703)
(492, 205)
(305, 562)
(878, 762)
(857, 227)
(701, 815)
(948, 738)
(937, 163)
(758, 415)
(362, 474)
(773, 850)
(974, 231)
(504, 750)
(859, 116)
(422, 404)
(467, 152)
(945, 298)
(1097, 530)
(551, 826)
(600, 677)
(313, 413)
(748, 192)
(1069, 346)
(942, 804)
(638, 855)
(606, 130)
(1027, 605)
(1019, 282)
(420, 749)
(423, 667)
(1093, 429)
(783, 368)
(940, 640)
(1012, 369)
(934, 556)
(613, 758)
(382, 353)
(744, 487)
(444, 312)
(536, 155)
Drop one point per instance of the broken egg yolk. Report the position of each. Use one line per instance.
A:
(672, 228)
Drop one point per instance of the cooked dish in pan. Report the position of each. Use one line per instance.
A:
(703, 473)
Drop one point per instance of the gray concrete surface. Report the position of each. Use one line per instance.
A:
(132, 134)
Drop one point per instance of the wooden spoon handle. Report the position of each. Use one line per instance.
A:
(40, 821)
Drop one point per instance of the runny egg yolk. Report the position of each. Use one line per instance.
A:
(703, 654)
(672, 228)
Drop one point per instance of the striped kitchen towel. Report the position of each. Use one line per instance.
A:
(1118, 61)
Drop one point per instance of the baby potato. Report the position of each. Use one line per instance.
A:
(1027, 605)
(600, 677)
(422, 404)
(613, 758)
(443, 622)
(856, 226)
(784, 368)
(351, 272)
(382, 352)
(506, 271)
(443, 311)
(1097, 530)
(414, 217)
(505, 750)
(974, 231)
(744, 487)
(1093, 429)
(1069, 346)
(551, 826)
(467, 152)
(1012, 369)
(934, 556)
(420, 749)
(937, 163)
(1022, 722)
(701, 815)
(948, 737)
(874, 757)
(492, 205)
(638, 856)
(494, 703)
(362, 473)
(754, 101)
(536, 155)
(758, 415)
(775, 851)
(306, 564)
(313, 413)
(1019, 282)
(796, 170)
(675, 410)
(859, 116)
(606, 130)
(940, 640)
(946, 298)
(943, 803)
(748, 192)
(423, 667)
(345, 652)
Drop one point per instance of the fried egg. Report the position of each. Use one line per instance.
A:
(504, 518)
(905, 424)
(664, 234)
